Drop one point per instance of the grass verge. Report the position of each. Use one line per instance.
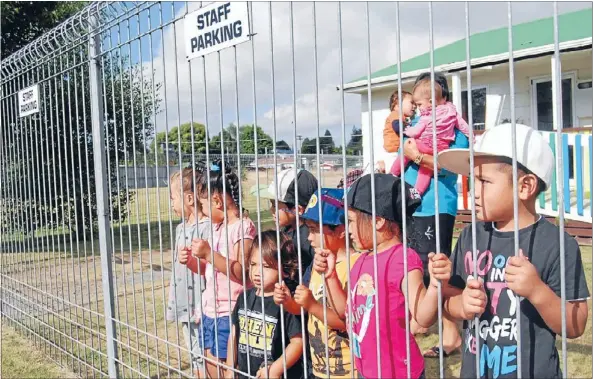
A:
(22, 359)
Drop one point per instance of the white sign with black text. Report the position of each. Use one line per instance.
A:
(29, 101)
(216, 27)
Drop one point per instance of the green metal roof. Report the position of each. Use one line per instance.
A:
(571, 26)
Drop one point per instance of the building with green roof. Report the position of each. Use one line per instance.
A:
(533, 49)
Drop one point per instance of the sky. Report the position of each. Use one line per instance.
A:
(229, 78)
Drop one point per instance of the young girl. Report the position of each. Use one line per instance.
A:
(447, 119)
(331, 261)
(259, 330)
(388, 282)
(185, 288)
(223, 209)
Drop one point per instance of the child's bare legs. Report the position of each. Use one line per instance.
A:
(451, 339)
(415, 328)
(213, 370)
(216, 334)
(200, 373)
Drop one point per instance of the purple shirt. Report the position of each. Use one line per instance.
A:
(392, 315)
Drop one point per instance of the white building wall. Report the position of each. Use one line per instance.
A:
(498, 102)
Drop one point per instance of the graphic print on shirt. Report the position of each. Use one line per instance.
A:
(362, 314)
(338, 344)
(253, 329)
(498, 324)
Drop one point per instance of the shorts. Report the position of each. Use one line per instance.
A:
(211, 338)
(191, 336)
(423, 239)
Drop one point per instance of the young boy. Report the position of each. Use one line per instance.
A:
(305, 184)
(331, 261)
(534, 275)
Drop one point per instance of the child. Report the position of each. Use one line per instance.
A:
(447, 119)
(305, 184)
(331, 261)
(185, 288)
(266, 338)
(391, 131)
(220, 283)
(388, 282)
(534, 275)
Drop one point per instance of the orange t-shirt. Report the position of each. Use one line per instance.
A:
(390, 137)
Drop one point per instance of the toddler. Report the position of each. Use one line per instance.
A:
(447, 120)
(256, 335)
(391, 131)
(185, 289)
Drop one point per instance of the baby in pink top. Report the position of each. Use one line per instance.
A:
(447, 120)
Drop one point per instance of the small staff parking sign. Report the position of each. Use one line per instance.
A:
(216, 27)
(29, 101)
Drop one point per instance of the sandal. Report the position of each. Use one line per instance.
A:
(433, 352)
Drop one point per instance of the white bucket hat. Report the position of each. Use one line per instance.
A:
(533, 151)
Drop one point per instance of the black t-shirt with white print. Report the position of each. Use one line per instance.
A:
(540, 242)
(249, 327)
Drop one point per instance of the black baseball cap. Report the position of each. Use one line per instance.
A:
(388, 197)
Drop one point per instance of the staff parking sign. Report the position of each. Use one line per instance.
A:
(29, 101)
(216, 27)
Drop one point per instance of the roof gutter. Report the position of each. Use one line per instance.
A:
(361, 86)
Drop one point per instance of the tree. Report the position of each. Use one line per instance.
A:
(56, 167)
(24, 21)
(326, 143)
(309, 146)
(282, 145)
(230, 142)
(53, 169)
(246, 142)
(247, 134)
(171, 140)
(354, 146)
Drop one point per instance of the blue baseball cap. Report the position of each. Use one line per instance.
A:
(331, 201)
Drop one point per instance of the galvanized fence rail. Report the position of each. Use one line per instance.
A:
(89, 237)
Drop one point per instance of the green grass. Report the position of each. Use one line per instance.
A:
(22, 359)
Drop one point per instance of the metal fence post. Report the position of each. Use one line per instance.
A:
(99, 156)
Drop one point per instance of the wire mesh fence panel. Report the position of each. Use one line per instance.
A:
(206, 190)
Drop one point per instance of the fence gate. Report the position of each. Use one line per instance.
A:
(100, 112)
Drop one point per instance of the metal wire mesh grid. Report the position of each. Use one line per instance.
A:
(89, 234)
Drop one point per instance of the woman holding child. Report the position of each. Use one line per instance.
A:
(423, 228)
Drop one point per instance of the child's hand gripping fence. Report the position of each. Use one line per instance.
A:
(118, 107)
